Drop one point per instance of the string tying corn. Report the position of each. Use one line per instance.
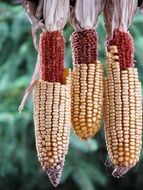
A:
(87, 85)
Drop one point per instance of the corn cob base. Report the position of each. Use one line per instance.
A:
(52, 126)
(122, 114)
(87, 96)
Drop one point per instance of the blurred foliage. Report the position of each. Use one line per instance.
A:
(85, 167)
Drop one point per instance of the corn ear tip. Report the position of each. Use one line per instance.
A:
(120, 171)
(55, 174)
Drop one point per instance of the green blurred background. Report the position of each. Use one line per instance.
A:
(86, 166)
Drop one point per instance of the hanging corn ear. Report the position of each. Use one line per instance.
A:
(52, 92)
(87, 85)
(122, 98)
(122, 114)
(52, 106)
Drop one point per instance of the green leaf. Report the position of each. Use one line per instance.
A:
(85, 146)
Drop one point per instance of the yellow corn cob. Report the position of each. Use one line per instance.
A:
(52, 125)
(87, 98)
(122, 114)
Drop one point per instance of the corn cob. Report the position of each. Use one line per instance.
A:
(52, 92)
(122, 113)
(87, 85)
(52, 106)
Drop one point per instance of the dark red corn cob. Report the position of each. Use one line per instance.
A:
(52, 56)
(124, 43)
(84, 45)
